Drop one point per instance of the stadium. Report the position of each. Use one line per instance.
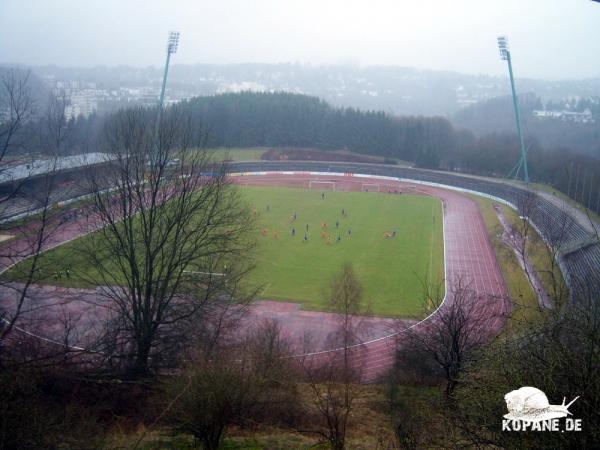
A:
(308, 226)
(22, 182)
(462, 252)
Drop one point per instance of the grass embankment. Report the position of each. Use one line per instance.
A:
(237, 154)
(525, 301)
(369, 426)
(539, 256)
(391, 269)
(256, 153)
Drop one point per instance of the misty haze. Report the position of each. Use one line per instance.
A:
(299, 224)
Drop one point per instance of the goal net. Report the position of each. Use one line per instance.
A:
(321, 185)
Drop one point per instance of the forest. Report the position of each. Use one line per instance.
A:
(253, 119)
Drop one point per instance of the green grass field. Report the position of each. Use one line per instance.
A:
(237, 154)
(390, 269)
(255, 154)
(288, 268)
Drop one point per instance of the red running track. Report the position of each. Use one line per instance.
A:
(469, 257)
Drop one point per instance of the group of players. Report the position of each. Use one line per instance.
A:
(324, 227)
(325, 235)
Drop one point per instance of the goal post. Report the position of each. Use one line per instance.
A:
(194, 275)
(321, 185)
(390, 187)
(371, 187)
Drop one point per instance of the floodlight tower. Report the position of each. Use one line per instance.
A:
(505, 56)
(172, 44)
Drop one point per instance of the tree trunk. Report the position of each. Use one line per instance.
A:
(139, 367)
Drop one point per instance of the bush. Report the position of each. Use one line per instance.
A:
(249, 383)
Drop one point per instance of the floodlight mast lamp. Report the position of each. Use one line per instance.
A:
(505, 56)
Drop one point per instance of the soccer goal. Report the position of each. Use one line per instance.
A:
(197, 274)
(321, 185)
(369, 187)
(389, 188)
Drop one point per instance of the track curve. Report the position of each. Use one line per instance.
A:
(469, 257)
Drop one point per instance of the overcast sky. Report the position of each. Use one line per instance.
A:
(548, 38)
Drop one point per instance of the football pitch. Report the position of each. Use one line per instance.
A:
(394, 242)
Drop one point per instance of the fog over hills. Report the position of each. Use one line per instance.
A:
(399, 90)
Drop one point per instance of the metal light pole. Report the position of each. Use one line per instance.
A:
(505, 56)
(172, 44)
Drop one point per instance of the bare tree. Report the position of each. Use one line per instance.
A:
(332, 379)
(346, 299)
(29, 239)
(28, 244)
(408, 416)
(209, 397)
(250, 381)
(16, 109)
(522, 233)
(453, 336)
(172, 240)
(554, 234)
(57, 127)
(558, 354)
(442, 349)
